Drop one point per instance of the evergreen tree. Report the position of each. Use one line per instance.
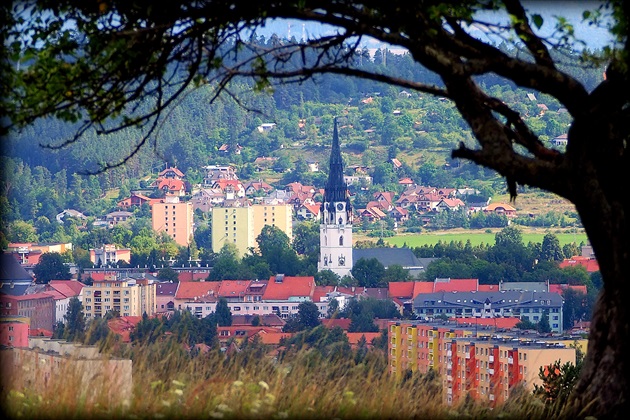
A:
(222, 314)
(75, 321)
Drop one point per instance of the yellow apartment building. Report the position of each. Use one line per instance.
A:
(483, 366)
(175, 218)
(129, 297)
(241, 225)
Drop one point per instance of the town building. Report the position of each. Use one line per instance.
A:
(480, 365)
(128, 297)
(335, 231)
(526, 305)
(242, 225)
(109, 254)
(175, 218)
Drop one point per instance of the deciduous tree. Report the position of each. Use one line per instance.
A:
(91, 62)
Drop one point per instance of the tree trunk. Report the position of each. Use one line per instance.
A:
(603, 389)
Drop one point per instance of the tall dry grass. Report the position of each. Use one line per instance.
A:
(169, 383)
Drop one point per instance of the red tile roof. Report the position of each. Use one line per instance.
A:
(171, 184)
(289, 287)
(422, 287)
(233, 288)
(123, 326)
(343, 323)
(193, 289)
(401, 289)
(488, 288)
(590, 264)
(40, 332)
(320, 292)
(271, 337)
(69, 288)
(490, 322)
(456, 285)
(559, 288)
(354, 337)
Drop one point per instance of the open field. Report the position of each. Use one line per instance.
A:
(479, 237)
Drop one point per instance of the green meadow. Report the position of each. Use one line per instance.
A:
(477, 238)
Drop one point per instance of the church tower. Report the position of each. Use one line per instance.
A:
(335, 229)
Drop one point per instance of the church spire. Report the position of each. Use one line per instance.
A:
(336, 189)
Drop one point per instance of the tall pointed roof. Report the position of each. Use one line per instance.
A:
(336, 189)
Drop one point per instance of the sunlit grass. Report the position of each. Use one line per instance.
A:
(168, 383)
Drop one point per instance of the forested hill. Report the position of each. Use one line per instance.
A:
(382, 122)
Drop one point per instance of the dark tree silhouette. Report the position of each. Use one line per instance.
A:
(118, 54)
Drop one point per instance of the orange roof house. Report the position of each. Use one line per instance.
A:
(173, 173)
(171, 186)
(355, 337)
(281, 287)
(191, 290)
(590, 264)
(233, 290)
(501, 209)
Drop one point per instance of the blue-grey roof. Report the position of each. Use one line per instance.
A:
(497, 299)
(12, 271)
(388, 256)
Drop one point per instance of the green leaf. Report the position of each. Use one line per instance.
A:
(537, 20)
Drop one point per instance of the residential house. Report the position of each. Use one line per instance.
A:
(109, 254)
(232, 188)
(501, 209)
(399, 214)
(206, 198)
(590, 264)
(288, 291)
(266, 127)
(449, 204)
(165, 296)
(226, 148)
(216, 172)
(136, 200)
(170, 186)
(171, 173)
(264, 162)
(396, 163)
(70, 213)
(372, 212)
(308, 211)
(255, 187)
(560, 141)
(117, 217)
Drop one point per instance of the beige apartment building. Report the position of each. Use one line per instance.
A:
(241, 225)
(129, 297)
(175, 218)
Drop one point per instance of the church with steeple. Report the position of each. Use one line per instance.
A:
(335, 229)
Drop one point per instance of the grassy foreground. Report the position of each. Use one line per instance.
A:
(168, 383)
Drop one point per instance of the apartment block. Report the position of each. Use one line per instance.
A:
(241, 225)
(175, 218)
(109, 255)
(484, 366)
(129, 297)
